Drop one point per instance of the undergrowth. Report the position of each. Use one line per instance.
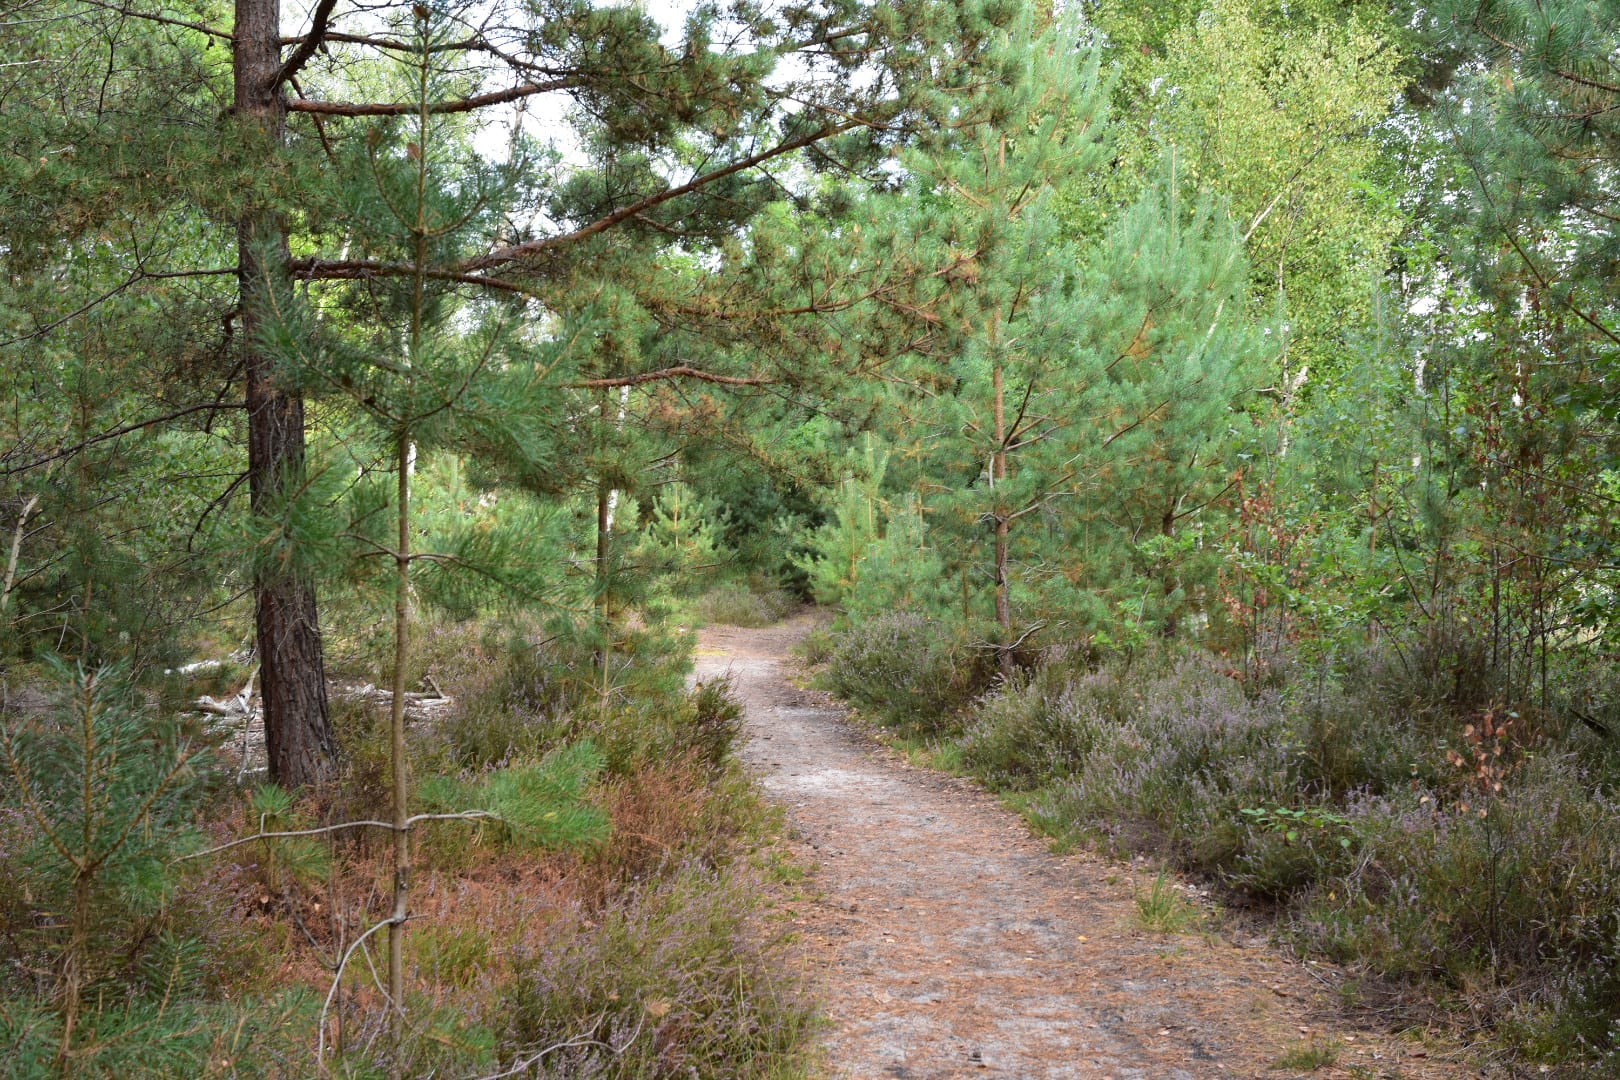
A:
(1397, 811)
(605, 920)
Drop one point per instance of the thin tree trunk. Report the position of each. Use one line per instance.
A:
(396, 728)
(604, 551)
(74, 958)
(297, 725)
(602, 600)
(15, 554)
(998, 473)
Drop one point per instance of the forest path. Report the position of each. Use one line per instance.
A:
(947, 941)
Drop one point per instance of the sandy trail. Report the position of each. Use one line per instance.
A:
(948, 942)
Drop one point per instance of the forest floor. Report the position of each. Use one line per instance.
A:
(946, 940)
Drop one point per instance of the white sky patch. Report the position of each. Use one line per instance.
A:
(545, 118)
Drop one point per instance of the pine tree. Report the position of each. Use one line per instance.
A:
(999, 414)
(681, 142)
(106, 790)
(1069, 408)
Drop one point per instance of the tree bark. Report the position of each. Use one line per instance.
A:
(297, 725)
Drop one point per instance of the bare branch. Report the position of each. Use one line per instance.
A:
(459, 105)
(326, 830)
(524, 1064)
(311, 41)
(337, 980)
(680, 371)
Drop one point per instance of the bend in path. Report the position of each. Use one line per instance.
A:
(949, 942)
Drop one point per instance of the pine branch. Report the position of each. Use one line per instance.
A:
(140, 274)
(516, 252)
(1567, 76)
(1567, 302)
(363, 270)
(469, 272)
(394, 44)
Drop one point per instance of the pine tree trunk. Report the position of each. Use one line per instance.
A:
(297, 727)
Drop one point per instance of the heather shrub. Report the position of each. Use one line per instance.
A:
(1508, 889)
(1396, 815)
(1044, 729)
(674, 979)
(678, 813)
(908, 671)
(1440, 673)
(740, 604)
(1178, 755)
(816, 647)
(711, 721)
(702, 723)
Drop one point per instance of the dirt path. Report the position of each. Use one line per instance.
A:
(950, 943)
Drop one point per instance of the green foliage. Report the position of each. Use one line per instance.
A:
(107, 791)
(681, 537)
(284, 860)
(836, 549)
(1316, 1054)
(1164, 910)
(532, 700)
(741, 604)
(539, 804)
(1276, 112)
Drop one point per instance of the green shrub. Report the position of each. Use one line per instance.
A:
(539, 804)
(1509, 887)
(908, 671)
(536, 699)
(1031, 734)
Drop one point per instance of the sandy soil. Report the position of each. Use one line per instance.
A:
(949, 942)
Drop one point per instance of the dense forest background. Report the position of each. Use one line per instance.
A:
(1202, 417)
